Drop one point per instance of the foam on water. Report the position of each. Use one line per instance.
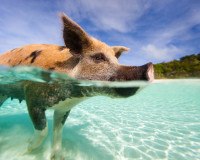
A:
(160, 122)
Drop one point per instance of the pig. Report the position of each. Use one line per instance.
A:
(83, 58)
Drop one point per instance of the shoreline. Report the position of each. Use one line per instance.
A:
(177, 80)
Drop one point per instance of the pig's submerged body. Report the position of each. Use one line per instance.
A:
(101, 128)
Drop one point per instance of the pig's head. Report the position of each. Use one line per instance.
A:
(97, 60)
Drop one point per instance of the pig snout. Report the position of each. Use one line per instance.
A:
(128, 73)
(145, 72)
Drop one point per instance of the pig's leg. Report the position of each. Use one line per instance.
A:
(59, 120)
(37, 115)
(3, 98)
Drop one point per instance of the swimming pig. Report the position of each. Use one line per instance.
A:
(83, 57)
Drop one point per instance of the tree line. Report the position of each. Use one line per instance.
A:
(186, 67)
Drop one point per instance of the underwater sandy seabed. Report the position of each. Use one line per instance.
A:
(162, 121)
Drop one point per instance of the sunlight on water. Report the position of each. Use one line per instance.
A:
(160, 122)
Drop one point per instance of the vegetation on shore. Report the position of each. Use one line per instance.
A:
(185, 67)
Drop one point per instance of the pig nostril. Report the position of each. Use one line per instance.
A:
(112, 79)
(150, 72)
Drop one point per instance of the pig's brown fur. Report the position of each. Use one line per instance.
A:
(49, 58)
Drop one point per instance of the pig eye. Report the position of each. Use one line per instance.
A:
(99, 57)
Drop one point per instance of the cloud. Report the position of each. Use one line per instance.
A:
(174, 40)
(165, 53)
(108, 15)
(177, 29)
(20, 24)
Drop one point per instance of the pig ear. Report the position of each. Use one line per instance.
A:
(75, 38)
(119, 49)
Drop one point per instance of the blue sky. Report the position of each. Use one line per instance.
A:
(155, 30)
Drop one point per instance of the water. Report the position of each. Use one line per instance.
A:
(162, 121)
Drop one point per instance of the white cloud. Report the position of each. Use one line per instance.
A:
(159, 46)
(108, 14)
(26, 23)
(178, 29)
(164, 53)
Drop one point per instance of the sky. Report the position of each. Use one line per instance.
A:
(154, 30)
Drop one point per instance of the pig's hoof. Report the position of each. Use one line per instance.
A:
(57, 156)
(37, 139)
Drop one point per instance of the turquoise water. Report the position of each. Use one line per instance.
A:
(162, 121)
